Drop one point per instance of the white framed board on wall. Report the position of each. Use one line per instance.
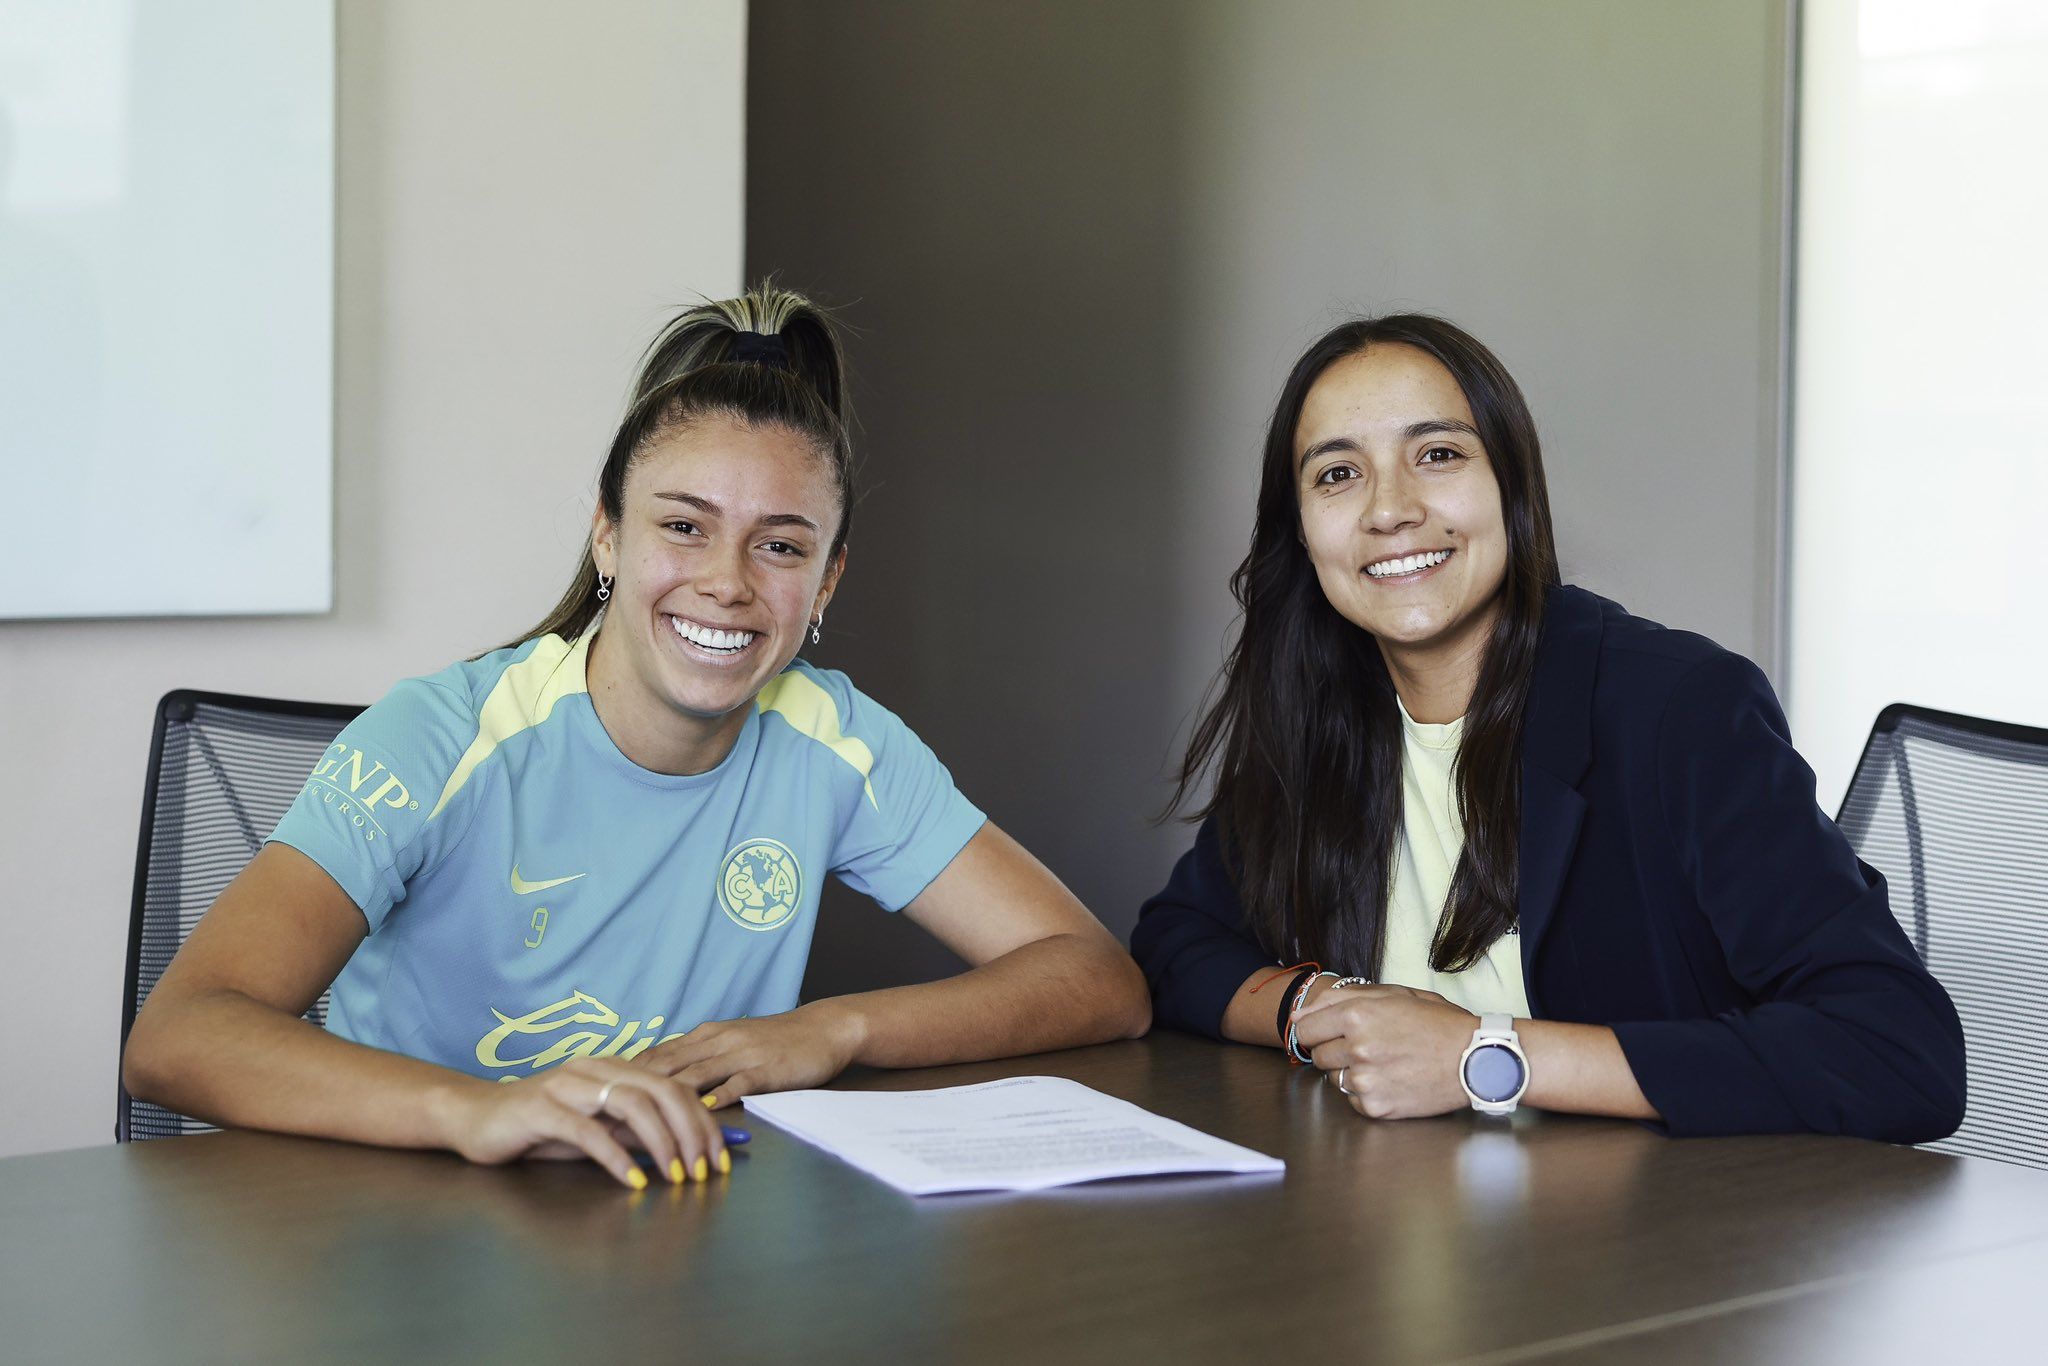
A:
(166, 307)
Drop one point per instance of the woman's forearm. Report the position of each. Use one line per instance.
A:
(1062, 991)
(226, 1058)
(1580, 1069)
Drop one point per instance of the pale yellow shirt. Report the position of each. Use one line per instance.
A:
(1425, 857)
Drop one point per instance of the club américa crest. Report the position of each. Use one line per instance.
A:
(760, 884)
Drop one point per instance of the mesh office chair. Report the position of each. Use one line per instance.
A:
(1954, 812)
(222, 771)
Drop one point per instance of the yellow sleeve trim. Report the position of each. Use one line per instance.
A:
(796, 697)
(522, 698)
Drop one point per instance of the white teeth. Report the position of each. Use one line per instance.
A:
(703, 636)
(1407, 564)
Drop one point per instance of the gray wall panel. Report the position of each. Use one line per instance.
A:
(1081, 244)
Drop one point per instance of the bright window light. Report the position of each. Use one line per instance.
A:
(1919, 532)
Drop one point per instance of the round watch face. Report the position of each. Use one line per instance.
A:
(1493, 1072)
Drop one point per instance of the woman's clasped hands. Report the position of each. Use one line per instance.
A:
(659, 1103)
(1392, 1050)
(597, 1108)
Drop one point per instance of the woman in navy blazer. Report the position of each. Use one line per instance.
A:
(1698, 943)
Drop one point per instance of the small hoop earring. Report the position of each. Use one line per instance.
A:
(604, 588)
(814, 629)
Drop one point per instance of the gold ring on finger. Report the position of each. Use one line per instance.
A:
(603, 1096)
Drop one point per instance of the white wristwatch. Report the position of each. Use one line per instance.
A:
(1494, 1071)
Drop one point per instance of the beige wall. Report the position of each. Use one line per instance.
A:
(525, 190)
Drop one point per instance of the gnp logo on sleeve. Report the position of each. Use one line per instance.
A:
(343, 774)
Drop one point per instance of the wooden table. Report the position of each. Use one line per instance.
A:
(1454, 1239)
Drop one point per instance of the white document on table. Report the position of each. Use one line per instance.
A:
(1022, 1133)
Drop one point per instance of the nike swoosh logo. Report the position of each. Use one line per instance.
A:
(522, 886)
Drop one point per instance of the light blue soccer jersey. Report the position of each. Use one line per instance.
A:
(534, 895)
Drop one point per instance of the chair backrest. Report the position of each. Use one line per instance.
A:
(222, 772)
(1953, 811)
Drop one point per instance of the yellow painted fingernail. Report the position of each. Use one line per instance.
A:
(710, 1103)
(724, 1161)
(638, 1180)
(675, 1170)
(703, 1170)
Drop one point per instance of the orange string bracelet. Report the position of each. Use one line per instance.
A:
(1282, 972)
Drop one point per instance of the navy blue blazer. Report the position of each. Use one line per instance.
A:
(1679, 884)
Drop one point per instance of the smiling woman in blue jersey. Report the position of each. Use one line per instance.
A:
(1540, 851)
(590, 861)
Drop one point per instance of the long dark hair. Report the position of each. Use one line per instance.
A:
(769, 357)
(1303, 731)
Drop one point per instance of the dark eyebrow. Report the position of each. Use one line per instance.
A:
(711, 509)
(1440, 424)
(704, 505)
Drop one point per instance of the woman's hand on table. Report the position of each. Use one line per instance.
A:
(729, 1059)
(591, 1107)
(1393, 1049)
